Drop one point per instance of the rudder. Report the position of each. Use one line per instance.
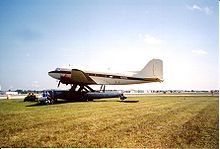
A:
(153, 69)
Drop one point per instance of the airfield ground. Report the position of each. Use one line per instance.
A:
(154, 121)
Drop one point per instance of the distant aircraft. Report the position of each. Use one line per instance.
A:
(152, 72)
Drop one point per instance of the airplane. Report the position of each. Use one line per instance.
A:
(81, 79)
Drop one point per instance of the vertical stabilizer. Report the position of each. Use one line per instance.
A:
(153, 69)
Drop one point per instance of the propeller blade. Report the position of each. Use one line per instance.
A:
(58, 84)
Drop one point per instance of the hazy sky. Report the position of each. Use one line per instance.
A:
(37, 36)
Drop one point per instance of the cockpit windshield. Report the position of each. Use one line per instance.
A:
(57, 69)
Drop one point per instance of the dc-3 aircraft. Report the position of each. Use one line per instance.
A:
(81, 79)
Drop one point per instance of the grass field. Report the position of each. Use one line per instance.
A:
(154, 121)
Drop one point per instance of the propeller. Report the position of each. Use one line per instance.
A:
(58, 84)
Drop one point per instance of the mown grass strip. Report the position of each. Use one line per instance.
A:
(152, 122)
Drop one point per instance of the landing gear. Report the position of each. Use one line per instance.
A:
(102, 88)
(82, 88)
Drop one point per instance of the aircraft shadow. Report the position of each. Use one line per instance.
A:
(58, 102)
(130, 101)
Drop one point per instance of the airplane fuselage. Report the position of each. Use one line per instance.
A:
(75, 76)
(152, 72)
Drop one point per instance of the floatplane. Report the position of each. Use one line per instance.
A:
(81, 79)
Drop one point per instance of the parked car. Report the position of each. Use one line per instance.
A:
(30, 97)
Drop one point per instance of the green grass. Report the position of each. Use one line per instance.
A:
(153, 122)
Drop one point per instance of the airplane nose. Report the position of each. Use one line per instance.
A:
(54, 75)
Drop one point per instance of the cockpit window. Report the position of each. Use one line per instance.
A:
(57, 69)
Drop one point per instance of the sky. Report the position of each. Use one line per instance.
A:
(109, 35)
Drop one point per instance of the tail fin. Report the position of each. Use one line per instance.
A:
(153, 69)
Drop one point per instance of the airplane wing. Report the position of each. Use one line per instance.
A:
(79, 77)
